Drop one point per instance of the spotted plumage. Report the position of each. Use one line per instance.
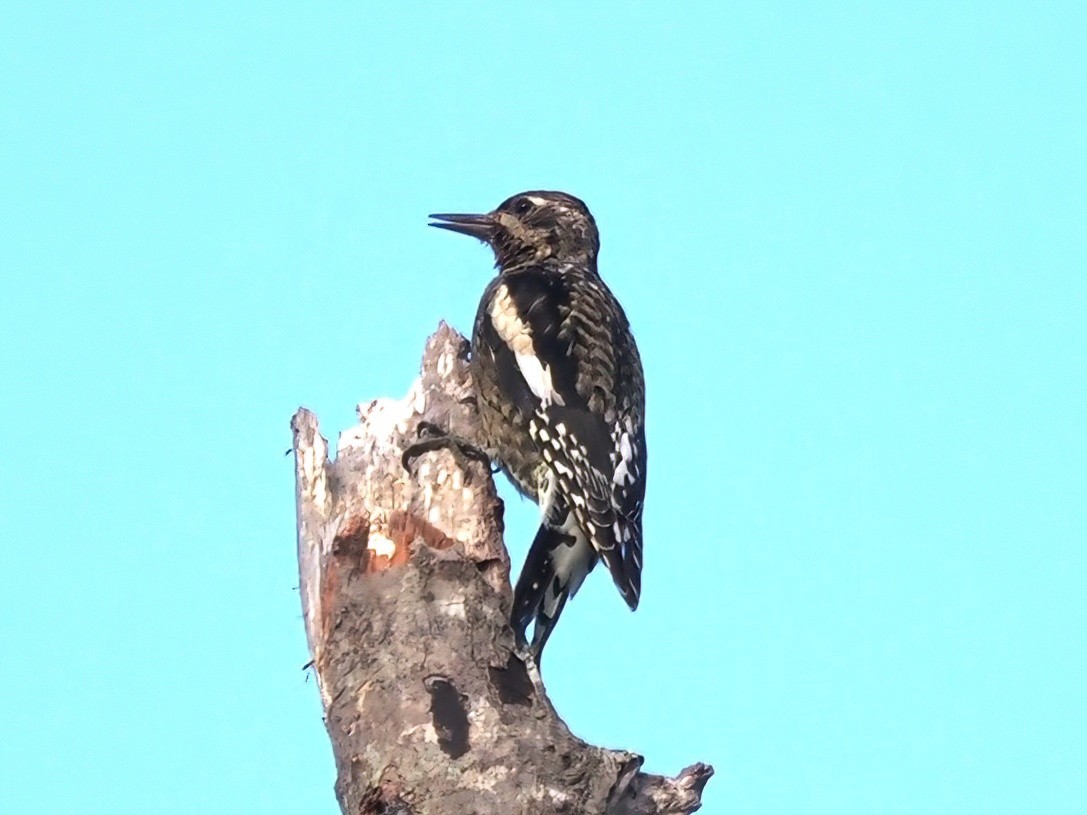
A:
(561, 397)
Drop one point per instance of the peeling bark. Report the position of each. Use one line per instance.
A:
(406, 594)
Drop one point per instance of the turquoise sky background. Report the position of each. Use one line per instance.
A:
(850, 238)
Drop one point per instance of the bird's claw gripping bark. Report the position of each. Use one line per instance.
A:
(432, 437)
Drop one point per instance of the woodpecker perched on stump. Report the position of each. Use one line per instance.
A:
(561, 399)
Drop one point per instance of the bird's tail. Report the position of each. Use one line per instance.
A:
(624, 560)
(556, 565)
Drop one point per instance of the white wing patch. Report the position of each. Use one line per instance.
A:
(508, 323)
(518, 336)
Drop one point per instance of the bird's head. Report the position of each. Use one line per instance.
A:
(531, 227)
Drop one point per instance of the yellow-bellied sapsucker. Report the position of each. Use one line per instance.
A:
(561, 399)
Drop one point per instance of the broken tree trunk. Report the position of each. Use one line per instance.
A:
(406, 594)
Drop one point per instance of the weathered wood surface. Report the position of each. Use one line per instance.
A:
(405, 591)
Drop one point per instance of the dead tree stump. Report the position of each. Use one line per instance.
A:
(406, 594)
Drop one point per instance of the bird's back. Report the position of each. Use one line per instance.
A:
(562, 396)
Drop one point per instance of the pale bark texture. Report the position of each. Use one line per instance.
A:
(406, 593)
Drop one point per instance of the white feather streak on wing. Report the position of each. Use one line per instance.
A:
(627, 468)
(538, 378)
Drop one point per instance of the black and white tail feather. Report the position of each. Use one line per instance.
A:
(558, 561)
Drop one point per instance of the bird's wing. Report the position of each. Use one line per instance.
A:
(564, 354)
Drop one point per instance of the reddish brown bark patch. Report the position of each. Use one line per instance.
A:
(348, 558)
(404, 528)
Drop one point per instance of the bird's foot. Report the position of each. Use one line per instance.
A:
(432, 437)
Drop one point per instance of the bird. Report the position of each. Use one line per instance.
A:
(559, 384)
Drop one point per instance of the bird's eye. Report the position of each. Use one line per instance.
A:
(522, 207)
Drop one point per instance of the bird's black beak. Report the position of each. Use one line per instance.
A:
(478, 226)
